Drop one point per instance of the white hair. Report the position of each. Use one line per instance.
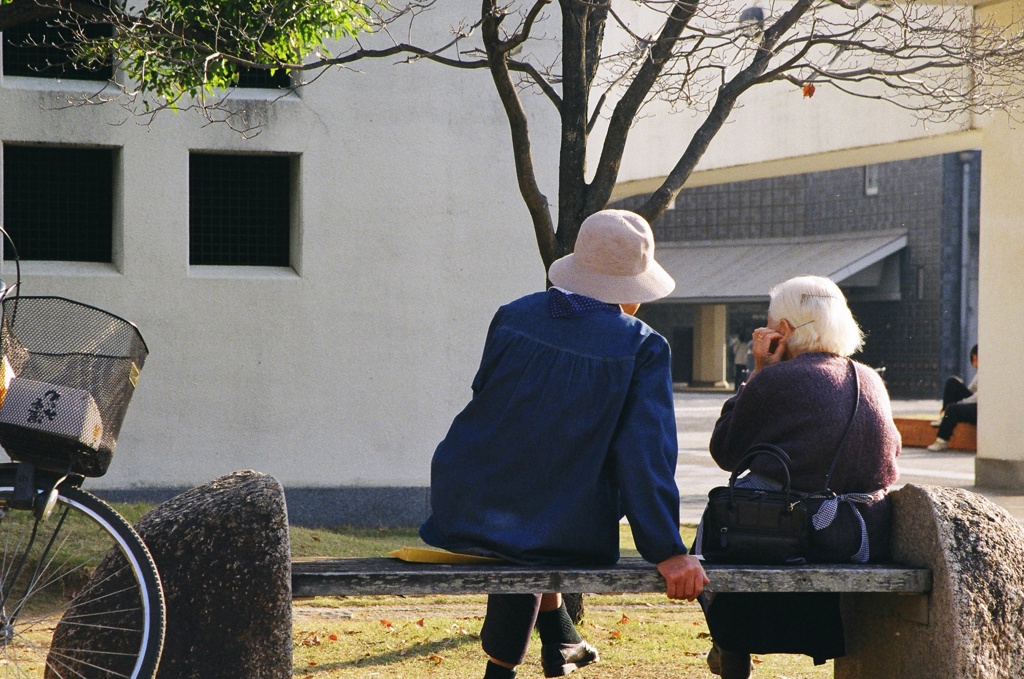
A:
(816, 309)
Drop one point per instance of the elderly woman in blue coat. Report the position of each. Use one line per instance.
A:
(571, 426)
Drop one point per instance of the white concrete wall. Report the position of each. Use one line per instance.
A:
(1000, 461)
(346, 369)
(775, 122)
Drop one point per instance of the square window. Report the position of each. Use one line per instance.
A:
(240, 210)
(45, 49)
(258, 77)
(59, 202)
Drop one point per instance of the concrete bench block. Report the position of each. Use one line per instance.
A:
(971, 625)
(224, 556)
(917, 431)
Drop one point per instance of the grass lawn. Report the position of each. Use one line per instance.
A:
(437, 637)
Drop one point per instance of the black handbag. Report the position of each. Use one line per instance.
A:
(748, 525)
(754, 526)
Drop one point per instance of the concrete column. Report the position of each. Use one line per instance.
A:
(1000, 460)
(709, 346)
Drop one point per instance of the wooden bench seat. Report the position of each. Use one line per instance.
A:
(385, 576)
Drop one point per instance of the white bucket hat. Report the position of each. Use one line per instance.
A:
(613, 261)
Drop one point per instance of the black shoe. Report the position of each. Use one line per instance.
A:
(715, 660)
(562, 659)
(734, 662)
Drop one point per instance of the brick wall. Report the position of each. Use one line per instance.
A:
(918, 339)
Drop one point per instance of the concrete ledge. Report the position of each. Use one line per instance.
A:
(364, 507)
(999, 474)
(918, 432)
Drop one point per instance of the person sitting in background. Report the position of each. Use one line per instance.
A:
(740, 352)
(571, 426)
(959, 404)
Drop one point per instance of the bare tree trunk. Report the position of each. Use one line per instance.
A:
(575, 95)
(574, 606)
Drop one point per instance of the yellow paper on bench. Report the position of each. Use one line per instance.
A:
(421, 555)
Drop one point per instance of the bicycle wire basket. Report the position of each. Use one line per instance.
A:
(68, 373)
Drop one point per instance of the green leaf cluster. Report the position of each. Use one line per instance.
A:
(173, 48)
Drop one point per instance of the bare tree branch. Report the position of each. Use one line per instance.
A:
(657, 203)
(536, 201)
(657, 56)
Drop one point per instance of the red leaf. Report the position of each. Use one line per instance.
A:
(809, 90)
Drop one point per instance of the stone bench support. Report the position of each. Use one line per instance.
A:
(972, 623)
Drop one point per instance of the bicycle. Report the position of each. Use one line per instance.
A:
(80, 595)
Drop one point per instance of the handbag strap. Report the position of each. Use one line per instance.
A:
(849, 425)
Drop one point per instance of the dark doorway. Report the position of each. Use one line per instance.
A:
(682, 355)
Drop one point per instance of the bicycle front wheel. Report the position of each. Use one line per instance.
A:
(79, 594)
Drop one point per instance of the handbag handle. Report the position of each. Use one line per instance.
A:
(771, 450)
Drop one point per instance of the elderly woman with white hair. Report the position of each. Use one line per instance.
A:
(806, 396)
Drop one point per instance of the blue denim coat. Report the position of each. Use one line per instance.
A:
(571, 426)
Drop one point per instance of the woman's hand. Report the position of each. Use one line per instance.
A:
(684, 576)
(769, 348)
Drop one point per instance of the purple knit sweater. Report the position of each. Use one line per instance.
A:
(803, 406)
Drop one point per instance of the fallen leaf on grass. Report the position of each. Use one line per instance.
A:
(616, 633)
(624, 620)
(435, 658)
(333, 637)
(386, 623)
(419, 623)
(703, 635)
(308, 639)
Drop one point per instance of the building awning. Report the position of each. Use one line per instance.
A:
(865, 265)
